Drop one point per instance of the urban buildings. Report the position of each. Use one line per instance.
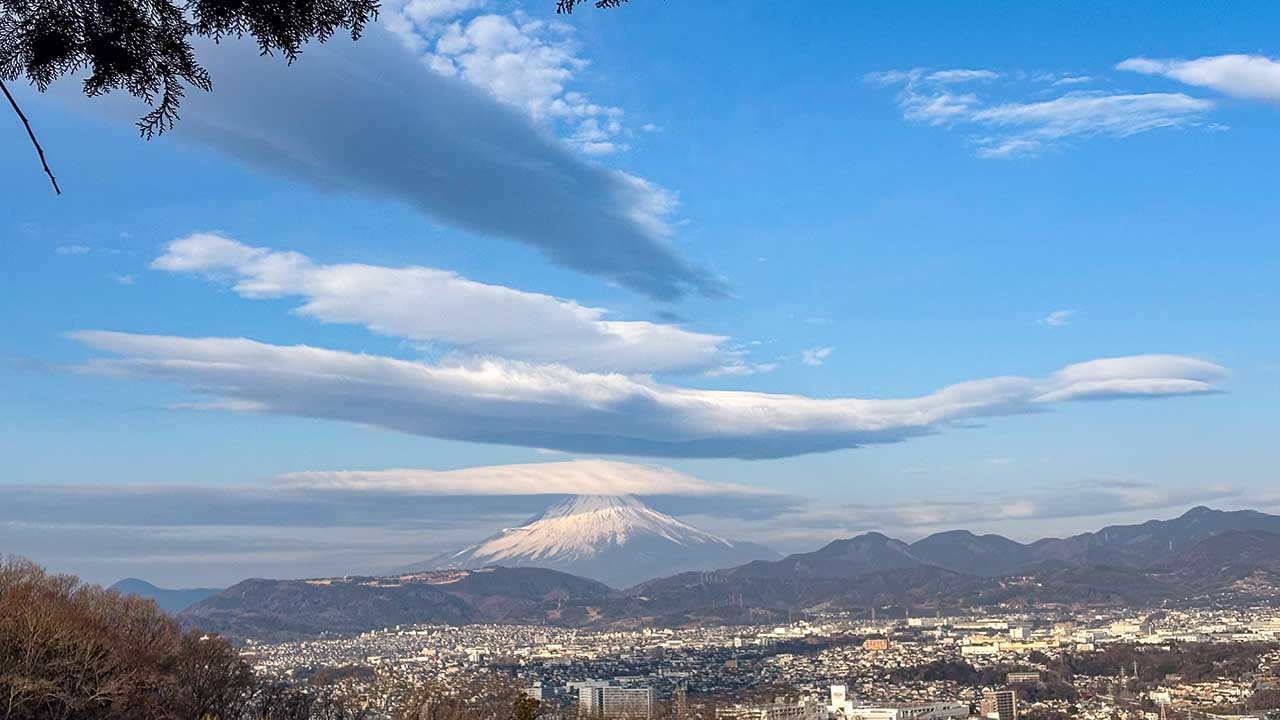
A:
(1000, 705)
(912, 711)
(612, 702)
(779, 709)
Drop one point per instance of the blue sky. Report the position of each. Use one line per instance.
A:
(619, 218)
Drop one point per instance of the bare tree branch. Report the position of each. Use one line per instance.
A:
(31, 134)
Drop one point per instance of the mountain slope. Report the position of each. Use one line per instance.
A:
(1152, 541)
(617, 540)
(960, 551)
(1233, 566)
(287, 609)
(963, 552)
(171, 601)
(861, 555)
(1238, 562)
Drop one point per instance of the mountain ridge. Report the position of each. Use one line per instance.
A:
(1235, 564)
(171, 600)
(284, 609)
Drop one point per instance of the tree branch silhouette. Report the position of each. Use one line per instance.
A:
(31, 134)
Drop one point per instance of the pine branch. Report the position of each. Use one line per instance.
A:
(31, 134)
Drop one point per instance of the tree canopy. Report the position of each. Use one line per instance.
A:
(144, 46)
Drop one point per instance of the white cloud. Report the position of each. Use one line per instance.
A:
(815, 356)
(962, 76)
(540, 406)
(938, 108)
(741, 369)
(1026, 129)
(73, 250)
(1252, 77)
(573, 477)
(428, 304)
(1039, 125)
(123, 279)
(1134, 376)
(1057, 318)
(526, 63)
(400, 132)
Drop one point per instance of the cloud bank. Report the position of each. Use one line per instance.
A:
(554, 407)
(574, 477)
(406, 497)
(1059, 510)
(428, 304)
(370, 117)
(327, 522)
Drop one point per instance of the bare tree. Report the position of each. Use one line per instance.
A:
(73, 650)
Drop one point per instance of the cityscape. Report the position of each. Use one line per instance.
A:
(932, 668)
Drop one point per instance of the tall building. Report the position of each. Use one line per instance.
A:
(1000, 704)
(590, 701)
(612, 702)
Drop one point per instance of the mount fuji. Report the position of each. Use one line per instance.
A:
(615, 539)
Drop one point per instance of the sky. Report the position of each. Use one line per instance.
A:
(790, 273)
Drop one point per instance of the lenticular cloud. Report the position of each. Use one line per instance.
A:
(551, 406)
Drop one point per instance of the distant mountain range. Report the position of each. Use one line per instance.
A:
(171, 601)
(617, 540)
(283, 609)
(1132, 546)
(1203, 556)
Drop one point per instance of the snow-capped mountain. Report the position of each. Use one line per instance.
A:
(617, 540)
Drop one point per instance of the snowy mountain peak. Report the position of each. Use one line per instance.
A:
(612, 538)
(579, 504)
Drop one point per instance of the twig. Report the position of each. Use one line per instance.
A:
(31, 134)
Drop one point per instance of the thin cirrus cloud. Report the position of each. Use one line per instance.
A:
(1012, 129)
(557, 408)
(815, 356)
(399, 130)
(1252, 77)
(1057, 318)
(428, 304)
